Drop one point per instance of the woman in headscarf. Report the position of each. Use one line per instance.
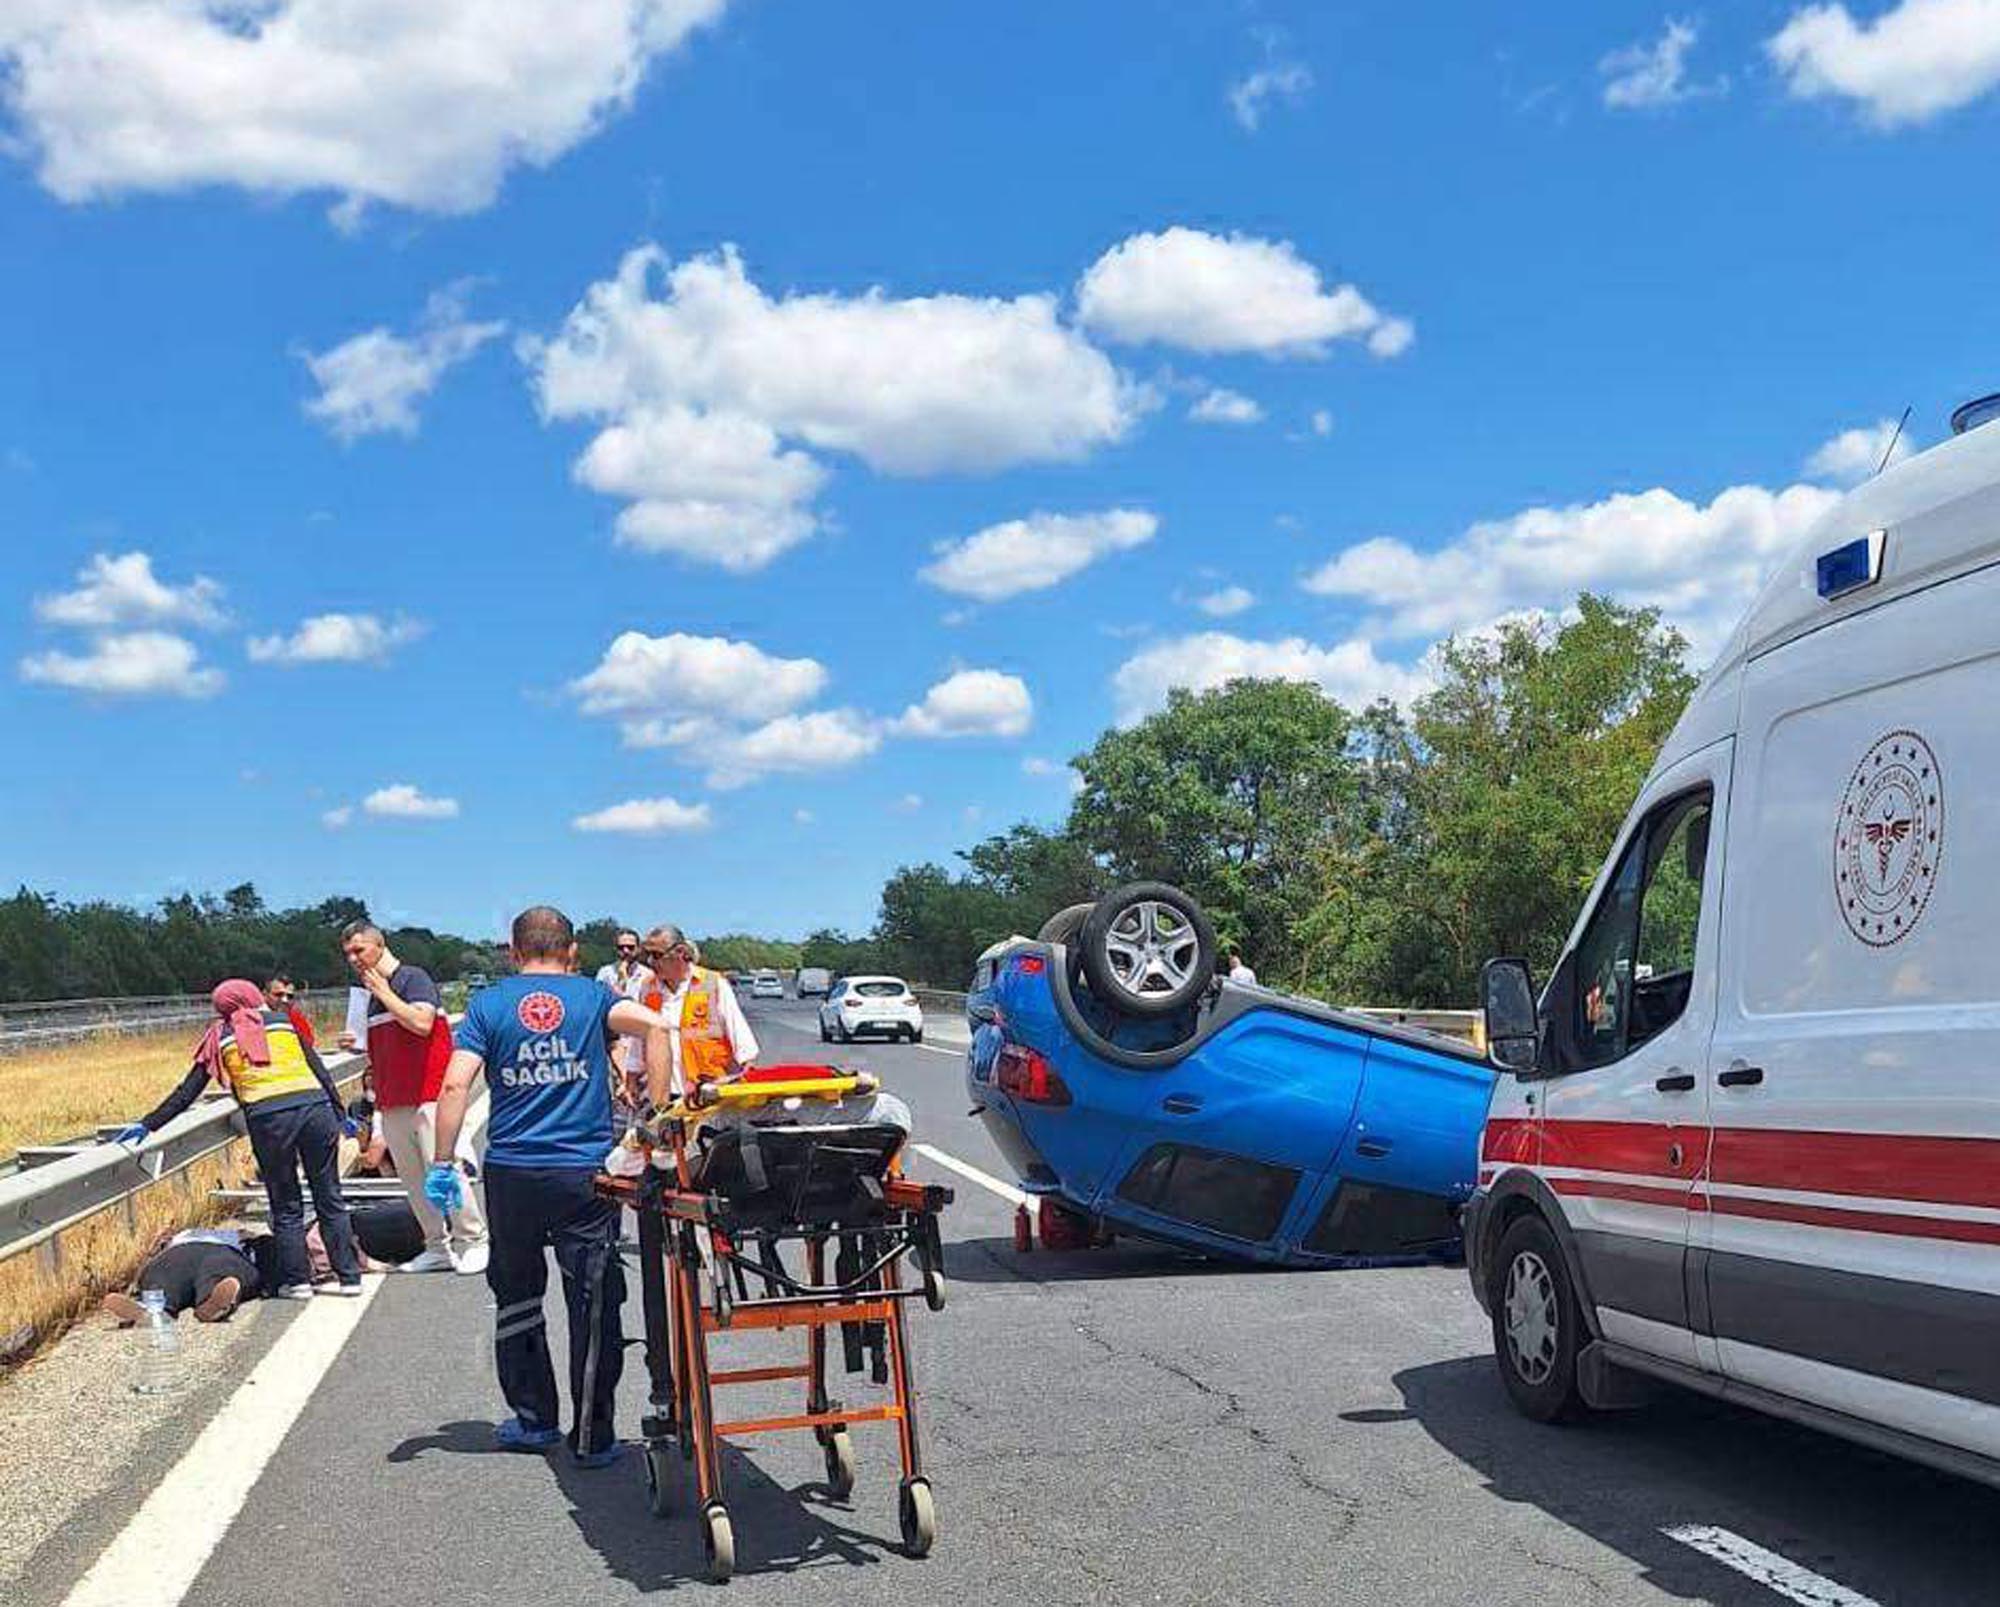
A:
(293, 1115)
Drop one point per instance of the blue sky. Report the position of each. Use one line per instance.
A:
(885, 449)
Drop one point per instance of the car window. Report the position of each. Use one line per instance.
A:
(1635, 960)
(880, 990)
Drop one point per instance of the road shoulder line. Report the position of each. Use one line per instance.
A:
(1773, 1572)
(160, 1553)
(972, 1174)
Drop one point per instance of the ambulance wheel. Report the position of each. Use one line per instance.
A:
(1537, 1323)
(934, 1288)
(658, 1470)
(718, 1543)
(918, 1513)
(840, 1465)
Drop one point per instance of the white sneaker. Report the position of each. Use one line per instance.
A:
(471, 1261)
(429, 1261)
(296, 1291)
(351, 1290)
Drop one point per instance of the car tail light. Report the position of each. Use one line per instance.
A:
(850, 1003)
(1028, 1077)
(1031, 965)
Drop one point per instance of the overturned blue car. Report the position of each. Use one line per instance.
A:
(1134, 1093)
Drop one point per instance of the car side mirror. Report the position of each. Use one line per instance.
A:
(983, 1011)
(1513, 1029)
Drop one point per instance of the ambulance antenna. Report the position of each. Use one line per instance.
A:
(1889, 450)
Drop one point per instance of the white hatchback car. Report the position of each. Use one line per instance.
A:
(870, 1004)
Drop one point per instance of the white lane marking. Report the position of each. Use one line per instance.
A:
(159, 1553)
(971, 1173)
(1769, 1569)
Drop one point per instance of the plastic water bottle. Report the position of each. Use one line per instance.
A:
(160, 1367)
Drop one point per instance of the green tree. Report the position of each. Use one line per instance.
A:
(1234, 794)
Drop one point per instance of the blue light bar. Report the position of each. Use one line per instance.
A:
(1857, 564)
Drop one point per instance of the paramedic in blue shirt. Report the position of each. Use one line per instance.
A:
(540, 1037)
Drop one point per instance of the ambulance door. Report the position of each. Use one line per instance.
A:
(1854, 1194)
(1625, 1120)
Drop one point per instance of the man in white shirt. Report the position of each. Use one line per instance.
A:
(1239, 972)
(713, 1038)
(629, 978)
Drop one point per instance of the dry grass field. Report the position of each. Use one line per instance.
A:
(49, 1095)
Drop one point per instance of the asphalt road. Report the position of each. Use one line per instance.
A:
(1108, 1426)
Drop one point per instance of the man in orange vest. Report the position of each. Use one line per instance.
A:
(713, 1039)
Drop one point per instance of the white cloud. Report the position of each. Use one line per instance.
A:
(792, 744)
(1035, 765)
(338, 819)
(1223, 406)
(646, 817)
(423, 106)
(1035, 553)
(1276, 80)
(401, 801)
(1913, 62)
(910, 802)
(1322, 423)
(372, 383)
(699, 380)
(682, 677)
(1853, 455)
(1349, 671)
(336, 639)
(1185, 287)
(129, 664)
(1699, 565)
(125, 591)
(803, 817)
(1225, 601)
(971, 703)
(1644, 76)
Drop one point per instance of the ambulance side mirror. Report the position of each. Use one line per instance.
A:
(1507, 1001)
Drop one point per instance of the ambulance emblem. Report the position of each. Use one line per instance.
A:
(540, 1012)
(1889, 839)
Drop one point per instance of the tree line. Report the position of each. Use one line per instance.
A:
(1371, 856)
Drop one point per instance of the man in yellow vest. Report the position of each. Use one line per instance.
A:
(713, 1039)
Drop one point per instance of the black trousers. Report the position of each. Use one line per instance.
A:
(185, 1273)
(283, 1141)
(529, 1211)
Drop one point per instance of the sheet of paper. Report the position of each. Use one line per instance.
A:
(358, 1000)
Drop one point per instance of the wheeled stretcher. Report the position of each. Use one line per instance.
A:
(760, 1167)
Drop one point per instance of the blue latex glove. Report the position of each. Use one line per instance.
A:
(443, 1188)
(131, 1135)
(349, 1127)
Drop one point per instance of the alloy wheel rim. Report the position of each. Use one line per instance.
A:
(1152, 949)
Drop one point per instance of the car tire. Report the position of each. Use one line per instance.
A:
(916, 1035)
(824, 1035)
(1161, 931)
(1063, 926)
(1537, 1323)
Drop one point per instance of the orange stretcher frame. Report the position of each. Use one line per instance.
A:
(683, 1234)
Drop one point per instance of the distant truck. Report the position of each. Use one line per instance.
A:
(814, 981)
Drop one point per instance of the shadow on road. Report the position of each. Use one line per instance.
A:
(778, 1530)
(1874, 1523)
(997, 1261)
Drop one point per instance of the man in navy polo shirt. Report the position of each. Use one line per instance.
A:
(541, 1038)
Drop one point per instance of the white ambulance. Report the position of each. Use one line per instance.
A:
(1750, 1142)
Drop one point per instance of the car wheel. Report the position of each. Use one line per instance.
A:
(824, 1035)
(916, 1035)
(1537, 1323)
(1148, 949)
(1063, 926)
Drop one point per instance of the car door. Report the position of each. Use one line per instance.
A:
(1229, 1145)
(1624, 1125)
(1855, 1191)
